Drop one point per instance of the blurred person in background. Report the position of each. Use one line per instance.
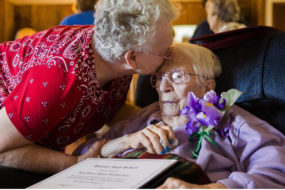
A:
(219, 12)
(84, 13)
(223, 15)
(203, 28)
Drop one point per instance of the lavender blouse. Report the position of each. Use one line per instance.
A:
(251, 156)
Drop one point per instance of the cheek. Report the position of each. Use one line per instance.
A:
(182, 91)
(211, 21)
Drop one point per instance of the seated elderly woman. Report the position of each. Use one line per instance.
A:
(249, 153)
(223, 15)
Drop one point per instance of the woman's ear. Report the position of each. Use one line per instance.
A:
(130, 58)
(210, 84)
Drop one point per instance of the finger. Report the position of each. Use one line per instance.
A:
(140, 140)
(166, 135)
(163, 186)
(168, 184)
(95, 149)
(169, 132)
(145, 141)
(155, 141)
(174, 183)
(163, 136)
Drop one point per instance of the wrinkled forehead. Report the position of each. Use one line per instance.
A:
(180, 61)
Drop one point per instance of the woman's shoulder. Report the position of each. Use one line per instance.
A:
(244, 124)
(231, 26)
(243, 116)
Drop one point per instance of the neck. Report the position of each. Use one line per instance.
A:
(218, 26)
(106, 71)
(174, 121)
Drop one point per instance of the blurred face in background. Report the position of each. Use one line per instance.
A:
(212, 18)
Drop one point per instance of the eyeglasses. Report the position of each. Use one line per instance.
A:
(178, 76)
(166, 55)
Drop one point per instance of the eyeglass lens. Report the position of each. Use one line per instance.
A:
(177, 77)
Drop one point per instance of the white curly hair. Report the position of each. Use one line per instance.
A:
(122, 25)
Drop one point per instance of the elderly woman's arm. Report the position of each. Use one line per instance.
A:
(260, 150)
(136, 132)
(18, 152)
(258, 160)
(154, 138)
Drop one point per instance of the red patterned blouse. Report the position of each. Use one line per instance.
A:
(49, 89)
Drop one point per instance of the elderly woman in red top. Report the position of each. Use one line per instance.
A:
(65, 82)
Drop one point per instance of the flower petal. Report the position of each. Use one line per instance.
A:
(213, 113)
(185, 110)
(194, 103)
(220, 105)
(210, 96)
(192, 126)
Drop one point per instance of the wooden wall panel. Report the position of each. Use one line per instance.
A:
(191, 12)
(261, 12)
(22, 17)
(39, 17)
(246, 10)
(278, 14)
(8, 25)
(251, 11)
(54, 13)
(1, 20)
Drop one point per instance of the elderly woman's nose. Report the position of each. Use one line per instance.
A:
(165, 85)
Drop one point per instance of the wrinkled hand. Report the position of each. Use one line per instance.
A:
(155, 138)
(93, 151)
(173, 183)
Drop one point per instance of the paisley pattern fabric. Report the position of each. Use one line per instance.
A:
(49, 88)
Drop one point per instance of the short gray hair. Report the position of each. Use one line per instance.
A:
(85, 5)
(205, 62)
(226, 10)
(122, 25)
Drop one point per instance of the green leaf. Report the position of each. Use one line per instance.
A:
(231, 97)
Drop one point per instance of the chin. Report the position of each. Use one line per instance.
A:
(171, 110)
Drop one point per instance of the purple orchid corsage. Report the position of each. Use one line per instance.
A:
(206, 115)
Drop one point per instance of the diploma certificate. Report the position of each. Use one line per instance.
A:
(107, 173)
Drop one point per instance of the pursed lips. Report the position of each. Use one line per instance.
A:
(170, 101)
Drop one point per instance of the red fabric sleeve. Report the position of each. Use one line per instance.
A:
(43, 98)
